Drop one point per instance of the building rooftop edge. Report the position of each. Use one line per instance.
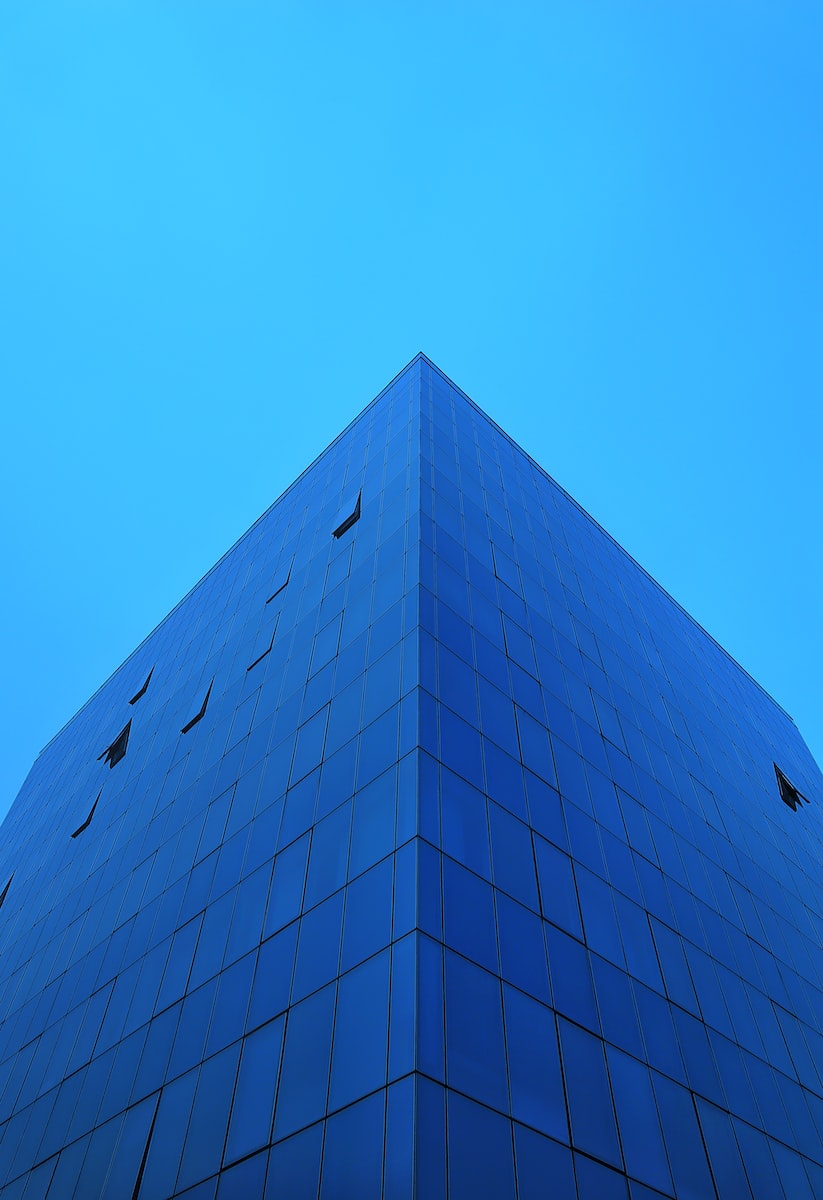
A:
(604, 531)
(236, 543)
(420, 356)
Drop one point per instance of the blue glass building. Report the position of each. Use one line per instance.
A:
(427, 848)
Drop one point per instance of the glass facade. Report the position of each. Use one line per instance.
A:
(428, 848)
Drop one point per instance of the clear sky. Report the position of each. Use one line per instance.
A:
(225, 226)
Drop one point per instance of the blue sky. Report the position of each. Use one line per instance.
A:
(225, 226)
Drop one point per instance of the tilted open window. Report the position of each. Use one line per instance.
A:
(264, 641)
(196, 713)
(346, 517)
(281, 578)
(5, 890)
(788, 792)
(144, 1159)
(87, 821)
(113, 753)
(138, 695)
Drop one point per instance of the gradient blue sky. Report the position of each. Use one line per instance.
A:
(225, 226)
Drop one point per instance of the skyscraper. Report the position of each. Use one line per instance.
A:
(427, 848)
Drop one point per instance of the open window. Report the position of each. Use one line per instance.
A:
(113, 753)
(281, 578)
(87, 822)
(5, 890)
(788, 792)
(197, 711)
(145, 1155)
(264, 642)
(506, 570)
(139, 695)
(346, 517)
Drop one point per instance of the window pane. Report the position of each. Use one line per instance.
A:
(251, 1115)
(590, 1100)
(203, 1151)
(480, 1151)
(534, 1065)
(476, 1060)
(353, 1151)
(360, 1032)
(304, 1077)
